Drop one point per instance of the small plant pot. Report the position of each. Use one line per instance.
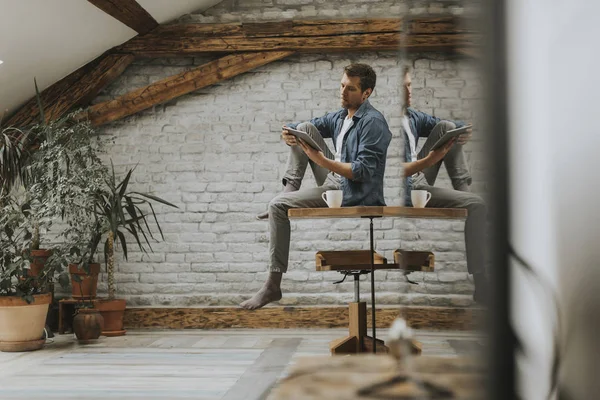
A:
(22, 324)
(113, 312)
(88, 325)
(39, 261)
(88, 284)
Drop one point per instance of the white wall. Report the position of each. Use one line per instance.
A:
(554, 163)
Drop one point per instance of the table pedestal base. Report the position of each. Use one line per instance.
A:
(357, 341)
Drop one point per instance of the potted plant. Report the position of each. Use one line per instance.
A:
(15, 171)
(79, 237)
(73, 197)
(88, 323)
(23, 305)
(118, 211)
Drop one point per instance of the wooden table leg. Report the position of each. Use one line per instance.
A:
(345, 345)
(66, 309)
(357, 331)
(357, 327)
(61, 326)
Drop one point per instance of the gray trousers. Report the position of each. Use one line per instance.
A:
(279, 223)
(460, 197)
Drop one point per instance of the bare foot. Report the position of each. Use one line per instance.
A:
(264, 296)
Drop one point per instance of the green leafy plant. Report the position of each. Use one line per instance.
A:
(13, 154)
(119, 211)
(52, 170)
(14, 263)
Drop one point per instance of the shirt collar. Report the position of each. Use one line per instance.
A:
(362, 110)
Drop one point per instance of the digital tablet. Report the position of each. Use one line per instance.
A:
(304, 136)
(449, 135)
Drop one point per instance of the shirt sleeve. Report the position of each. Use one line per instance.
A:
(374, 139)
(325, 124)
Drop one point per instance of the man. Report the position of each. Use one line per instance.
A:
(421, 170)
(361, 137)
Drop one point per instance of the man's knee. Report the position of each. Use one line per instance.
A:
(279, 204)
(445, 126)
(308, 128)
(475, 203)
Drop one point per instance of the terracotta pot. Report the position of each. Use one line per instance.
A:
(86, 288)
(39, 260)
(113, 312)
(22, 324)
(88, 325)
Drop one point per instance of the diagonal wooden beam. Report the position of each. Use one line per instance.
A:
(129, 12)
(172, 87)
(76, 89)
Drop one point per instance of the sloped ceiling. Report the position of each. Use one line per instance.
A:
(49, 39)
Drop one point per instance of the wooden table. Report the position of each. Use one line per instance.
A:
(341, 378)
(371, 213)
(376, 212)
(66, 312)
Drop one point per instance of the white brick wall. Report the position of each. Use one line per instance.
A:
(216, 153)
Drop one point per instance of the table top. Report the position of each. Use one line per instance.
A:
(342, 377)
(377, 211)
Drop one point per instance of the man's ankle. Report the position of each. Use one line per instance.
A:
(274, 280)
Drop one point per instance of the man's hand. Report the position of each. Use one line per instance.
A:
(465, 137)
(288, 138)
(315, 155)
(438, 155)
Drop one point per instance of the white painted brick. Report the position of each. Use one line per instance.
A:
(209, 267)
(134, 268)
(171, 267)
(175, 258)
(444, 93)
(234, 277)
(196, 277)
(159, 278)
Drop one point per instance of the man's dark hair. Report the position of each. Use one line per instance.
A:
(367, 76)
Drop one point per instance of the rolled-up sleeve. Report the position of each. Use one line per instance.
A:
(374, 139)
(325, 124)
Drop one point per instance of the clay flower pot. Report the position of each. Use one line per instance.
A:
(39, 260)
(113, 312)
(88, 325)
(87, 285)
(22, 324)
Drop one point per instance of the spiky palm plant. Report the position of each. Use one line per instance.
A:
(117, 211)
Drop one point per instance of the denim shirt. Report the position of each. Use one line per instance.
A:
(365, 148)
(421, 125)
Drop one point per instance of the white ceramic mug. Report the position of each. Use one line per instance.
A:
(333, 198)
(420, 198)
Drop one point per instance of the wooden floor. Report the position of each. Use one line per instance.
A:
(229, 364)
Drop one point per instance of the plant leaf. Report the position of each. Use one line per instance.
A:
(123, 243)
(38, 98)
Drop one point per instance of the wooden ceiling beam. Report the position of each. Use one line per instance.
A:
(443, 33)
(129, 12)
(255, 43)
(76, 89)
(186, 82)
